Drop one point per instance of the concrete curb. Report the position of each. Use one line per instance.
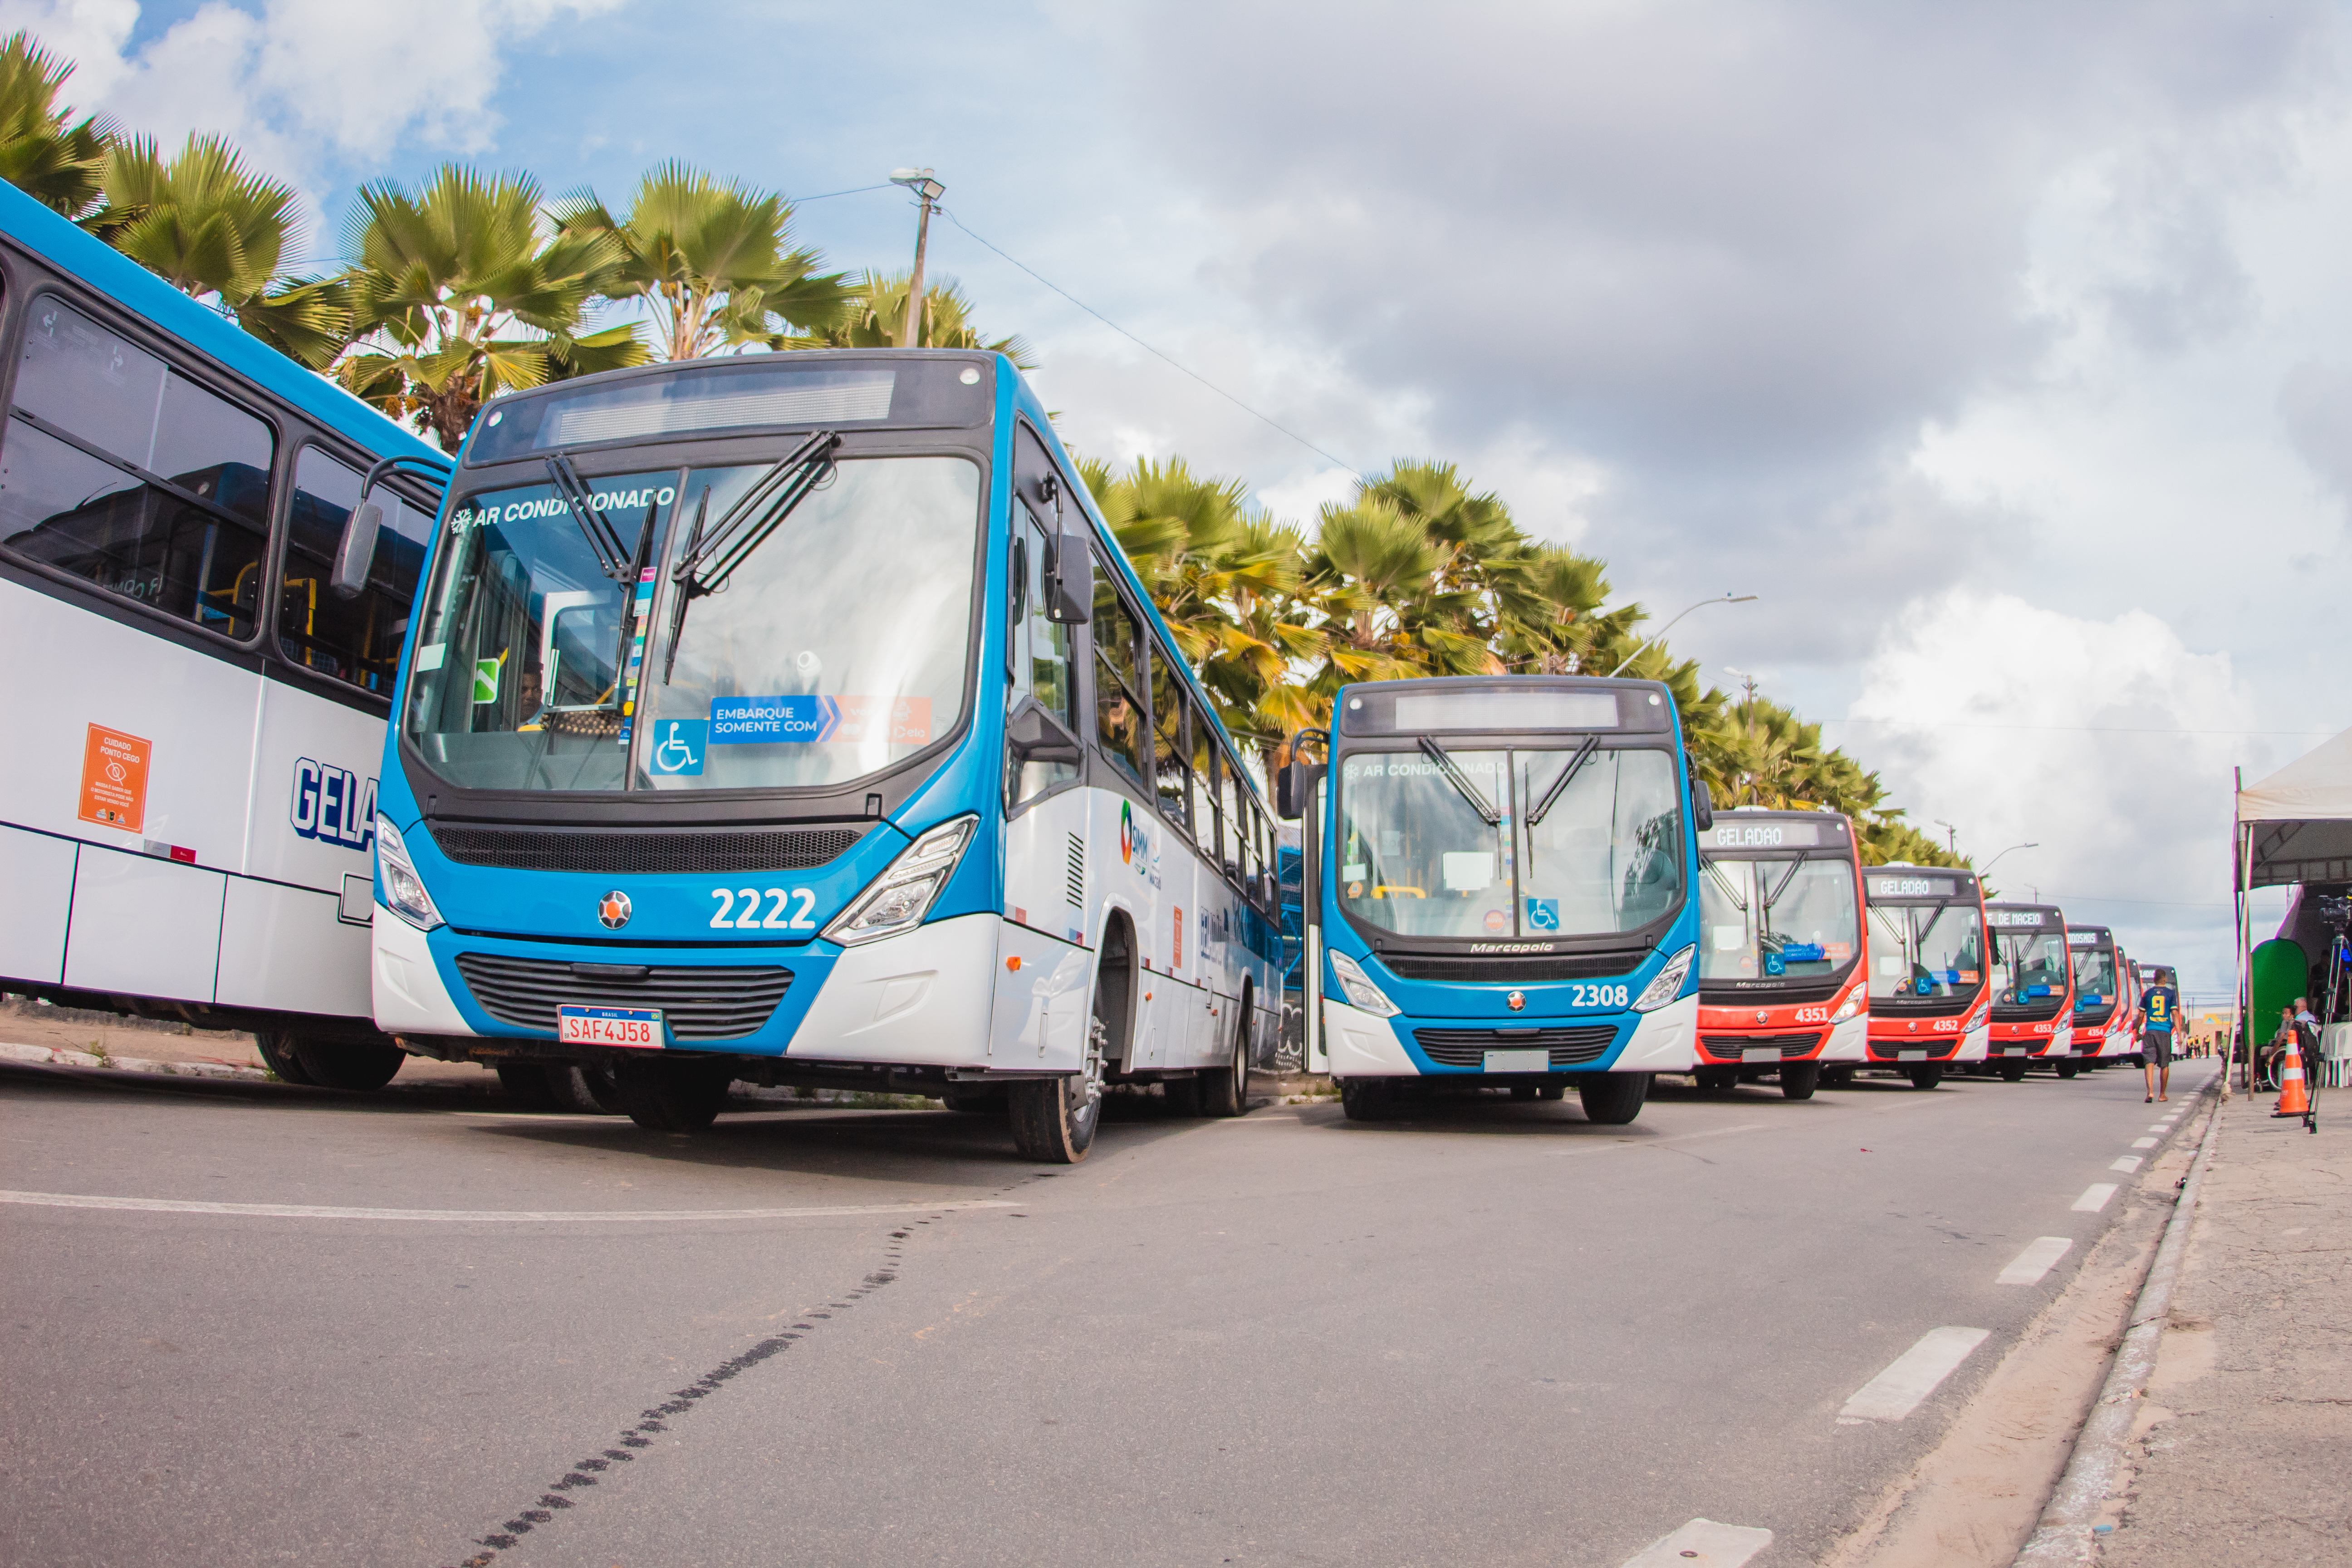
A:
(2068, 1530)
(47, 1056)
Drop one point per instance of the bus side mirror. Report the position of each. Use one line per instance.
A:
(1032, 737)
(357, 552)
(1702, 806)
(1070, 580)
(1292, 786)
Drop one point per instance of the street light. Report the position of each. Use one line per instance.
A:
(1990, 864)
(927, 191)
(1662, 631)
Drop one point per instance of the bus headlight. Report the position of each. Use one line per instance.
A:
(404, 889)
(903, 894)
(1668, 985)
(1853, 1003)
(1362, 992)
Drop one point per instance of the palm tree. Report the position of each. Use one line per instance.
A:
(712, 260)
(44, 151)
(209, 226)
(462, 291)
(876, 318)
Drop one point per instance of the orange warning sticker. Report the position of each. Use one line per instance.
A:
(114, 779)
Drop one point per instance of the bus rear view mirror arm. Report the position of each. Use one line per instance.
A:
(1070, 580)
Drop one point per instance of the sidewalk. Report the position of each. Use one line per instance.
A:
(2241, 1453)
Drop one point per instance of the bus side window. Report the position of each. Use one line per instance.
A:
(1208, 822)
(1232, 856)
(1171, 752)
(356, 639)
(1119, 699)
(153, 489)
(1041, 645)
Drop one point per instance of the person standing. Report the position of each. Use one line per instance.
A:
(2159, 1010)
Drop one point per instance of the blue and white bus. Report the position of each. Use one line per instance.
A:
(1501, 875)
(200, 624)
(794, 719)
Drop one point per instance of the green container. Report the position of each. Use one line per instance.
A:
(2282, 973)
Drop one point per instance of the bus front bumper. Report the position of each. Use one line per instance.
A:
(1362, 1045)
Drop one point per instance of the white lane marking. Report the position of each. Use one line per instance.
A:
(2095, 1197)
(2039, 1256)
(2143, 1142)
(308, 1211)
(2127, 1164)
(1914, 1374)
(1703, 1543)
(2161, 1127)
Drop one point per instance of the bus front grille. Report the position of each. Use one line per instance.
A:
(1728, 1047)
(646, 851)
(699, 1004)
(1514, 970)
(1570, 1046)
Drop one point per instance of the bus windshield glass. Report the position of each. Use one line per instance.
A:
(1925, 951)
(1775, 919)
(836, 648)
(2028, 966)
(2095, 974)
(1419, 858)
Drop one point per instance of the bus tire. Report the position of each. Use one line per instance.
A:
(1799, 1079)
(1224, 1090)
(1927, 1075)
(338, 1064)
(2068, 1069)
(671, 1096)
(1614, 1098)
(2012, 1072)
(1368, 1099)
(1053, 1118)
(1717, 1080)
(277, 1049)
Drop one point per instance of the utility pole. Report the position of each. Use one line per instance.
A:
(928, 192)
(1748, 707)
(1955, 838)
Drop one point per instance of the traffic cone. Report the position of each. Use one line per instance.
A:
(2293, 1100)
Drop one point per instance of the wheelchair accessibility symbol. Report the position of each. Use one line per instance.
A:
(679, 744)
(1543, 914)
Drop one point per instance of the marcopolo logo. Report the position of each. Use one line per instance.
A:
(333, 805)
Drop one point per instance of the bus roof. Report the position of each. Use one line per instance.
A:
(106, 269)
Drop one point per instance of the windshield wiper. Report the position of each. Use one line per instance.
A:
(604, 542)
(1461, 782)
(1575, 764)
(712, 554)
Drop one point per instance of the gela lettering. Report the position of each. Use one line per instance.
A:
(333, 806)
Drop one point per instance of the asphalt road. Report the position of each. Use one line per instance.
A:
(1494, 1335)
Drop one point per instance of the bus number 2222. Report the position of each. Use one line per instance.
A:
(784, 912)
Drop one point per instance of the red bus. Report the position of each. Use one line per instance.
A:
(1781, 981)
(1928, 991)
(2034, 989)
(2105, 997)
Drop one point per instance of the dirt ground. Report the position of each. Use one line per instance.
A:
(27, 1022)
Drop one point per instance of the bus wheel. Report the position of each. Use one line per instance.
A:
(1614, 1098)
(340, 1064)
(670, 1096)
(1926, 1077)
(1224, 1090)
(1368, 1099)
(1717, 1080)
(2068, 1069)
(1053, 1118)
(2012, 1072)
(277, 1049)
(1799, 1079)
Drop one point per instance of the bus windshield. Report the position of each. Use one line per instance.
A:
(838, 648)
(1769, 920)
(2095, 974)
(2028, 966)
(1419, 858)
(1925, 950)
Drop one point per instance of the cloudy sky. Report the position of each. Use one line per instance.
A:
(2001, 348)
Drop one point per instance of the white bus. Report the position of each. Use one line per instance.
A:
(200, 637)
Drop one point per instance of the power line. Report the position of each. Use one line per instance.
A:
(829, 196)
(2069, 728)
(1122, 331)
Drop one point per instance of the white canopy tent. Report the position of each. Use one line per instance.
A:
(2293, 828)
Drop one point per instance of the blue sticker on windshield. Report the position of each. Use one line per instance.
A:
(1801, 952)
(2094, 999)
(1774, 964)
(765, 720)
(1924, 986)
(1543, 914)
(678, 745)
(2037, 990)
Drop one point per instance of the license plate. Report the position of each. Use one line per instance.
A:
(1519, 1061)
(1760, 1054)
(639, 1027)
(1910, 1056)
(2016, 1050)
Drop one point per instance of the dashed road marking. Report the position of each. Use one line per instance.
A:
(2036, 1260)
(508, 1216)
(2095, 1197)
(2161, 1127)
(2127, 1164)
(1703, 1543)
(2143, 1142)
(1914, 1374)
